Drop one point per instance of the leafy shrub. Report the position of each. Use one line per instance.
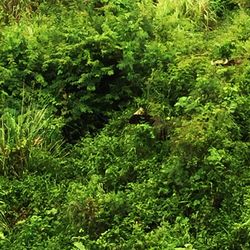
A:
(32, 208)
(90, 72)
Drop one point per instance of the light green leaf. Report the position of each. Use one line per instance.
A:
(79, 246)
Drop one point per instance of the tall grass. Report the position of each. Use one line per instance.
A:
(24, 133)
(198, 11)
(15, 9)
(4, 225)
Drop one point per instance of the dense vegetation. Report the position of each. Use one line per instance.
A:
(75, 174)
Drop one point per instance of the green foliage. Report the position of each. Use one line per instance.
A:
(111, 184)
(90, 70)
(23, 138)
(16, 9)
(33, 211)
(198, 11)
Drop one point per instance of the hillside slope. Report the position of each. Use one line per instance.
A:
(78, 170)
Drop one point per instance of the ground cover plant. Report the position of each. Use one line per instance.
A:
(124, 124)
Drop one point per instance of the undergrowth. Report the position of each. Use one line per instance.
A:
(75, 173)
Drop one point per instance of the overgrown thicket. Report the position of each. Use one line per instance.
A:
(75, 174)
